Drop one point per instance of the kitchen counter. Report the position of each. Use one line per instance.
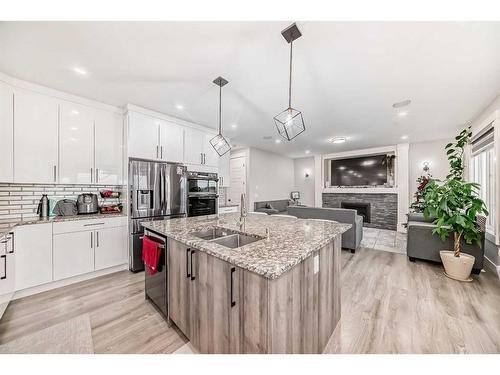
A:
(56, 219)
(290, 241)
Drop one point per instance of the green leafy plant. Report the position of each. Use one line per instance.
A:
(455, 203)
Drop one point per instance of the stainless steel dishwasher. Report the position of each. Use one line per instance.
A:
(156, 286)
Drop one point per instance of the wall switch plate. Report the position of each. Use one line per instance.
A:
(316, 264)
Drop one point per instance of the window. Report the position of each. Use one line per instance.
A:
(483, 172)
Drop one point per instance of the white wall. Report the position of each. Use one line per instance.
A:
(432, 152)
(305, 184)
(270, 176)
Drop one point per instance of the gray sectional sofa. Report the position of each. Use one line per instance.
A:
(350, 239)
(423, 244)
(272, 207)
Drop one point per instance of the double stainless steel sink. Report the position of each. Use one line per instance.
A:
(226, 237)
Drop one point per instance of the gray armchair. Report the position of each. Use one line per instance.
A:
(350, 239)
(423, 244)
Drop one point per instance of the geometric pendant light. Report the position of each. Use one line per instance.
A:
(290, 122)
(219, 143)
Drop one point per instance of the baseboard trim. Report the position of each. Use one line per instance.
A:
(72, 280)
(492, 266)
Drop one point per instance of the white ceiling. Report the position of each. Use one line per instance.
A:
(347, 75)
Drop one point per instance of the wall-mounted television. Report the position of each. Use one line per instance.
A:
(374, 170)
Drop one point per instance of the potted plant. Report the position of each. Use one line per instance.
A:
(454, 205)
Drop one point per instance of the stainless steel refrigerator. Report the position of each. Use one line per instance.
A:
(157, 192)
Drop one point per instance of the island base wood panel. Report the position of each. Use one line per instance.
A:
(295, 313)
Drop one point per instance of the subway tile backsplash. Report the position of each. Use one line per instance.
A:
(20, 201)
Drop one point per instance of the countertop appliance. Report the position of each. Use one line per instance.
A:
(86, 203)
(157, 192)
(202, 194)
(156, 286)
(43, 209)
(7, 269)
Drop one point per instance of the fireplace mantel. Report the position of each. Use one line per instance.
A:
(350, 190)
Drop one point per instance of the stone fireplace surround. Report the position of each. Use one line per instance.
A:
(383, 206)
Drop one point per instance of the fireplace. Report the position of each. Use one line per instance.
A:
(363, 209)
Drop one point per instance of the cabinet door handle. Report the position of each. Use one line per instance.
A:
(233, 302)
(97, 175)
(157, 151)
(55, 173)
(201, 157)
(204, 158)
(97, 238)
(161, 152)
(188, 274)
(4, 257)
(91, 240)
(192, 273)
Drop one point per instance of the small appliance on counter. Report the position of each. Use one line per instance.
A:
(65, 207)
(43, 209)
(86, 203)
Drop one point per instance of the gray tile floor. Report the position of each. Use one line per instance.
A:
(385, 240)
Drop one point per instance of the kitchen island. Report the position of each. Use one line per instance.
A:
(271, 285)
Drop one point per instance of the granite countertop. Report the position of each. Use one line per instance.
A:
(57, 219)
(290, 241)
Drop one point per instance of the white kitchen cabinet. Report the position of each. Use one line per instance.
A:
(7, 272)
(6, 133)
(108, 148)
(33, 249)
(211, 157)
(193, 146)
(73, 254)
(143, 133)
(171, 142)
(223, 173)
(36, 120)
(76, 144)
(110, 247)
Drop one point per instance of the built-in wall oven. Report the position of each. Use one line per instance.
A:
(202, 193)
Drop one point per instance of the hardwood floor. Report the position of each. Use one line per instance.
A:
(389, 305)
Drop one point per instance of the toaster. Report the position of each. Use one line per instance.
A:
(87, 203)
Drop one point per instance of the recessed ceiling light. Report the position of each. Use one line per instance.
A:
(74, 112)
(180, 107)
(367, 163)
(402, 113)
(277, 141)
(234, 126)
(307, 151)
(337, 140)
(402, 104)
(80, 71)
(341, 168)
(404, 137)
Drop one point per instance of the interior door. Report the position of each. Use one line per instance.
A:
(211, 156)
(36, 121)
(73, 254)
(76, 144)
(171, 142)
(238, 175)
(110, 247)
(193, 146)
(108, 148)
(143, 134)
(6, 133)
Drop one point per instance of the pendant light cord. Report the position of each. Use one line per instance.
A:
(220, 109)
(290, 79)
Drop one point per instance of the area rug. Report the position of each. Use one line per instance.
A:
(71, 337)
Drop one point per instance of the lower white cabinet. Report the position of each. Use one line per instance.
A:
(110, 247)
(7, 272)
(33, 249)
(73, 254)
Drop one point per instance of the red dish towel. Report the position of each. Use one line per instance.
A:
(151, 252)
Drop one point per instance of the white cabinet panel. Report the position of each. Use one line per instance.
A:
(6, 133)
(110, 247)
(7, 280)
(76, 144)
(108, 148)
(35, 137)
(223, 174)
(211, 157)
(143, 134)
(33, 249)
(171, 142)
(193, 146)
(73, 254)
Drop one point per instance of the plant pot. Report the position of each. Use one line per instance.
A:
(457, 268)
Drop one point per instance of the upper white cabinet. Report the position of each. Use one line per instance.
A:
(76, 144)
(171, 142)
(155, 139)
(6, 133)
(224, 176)
(35, 137)
(108, 148)
(211, 157)
(193, 146)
